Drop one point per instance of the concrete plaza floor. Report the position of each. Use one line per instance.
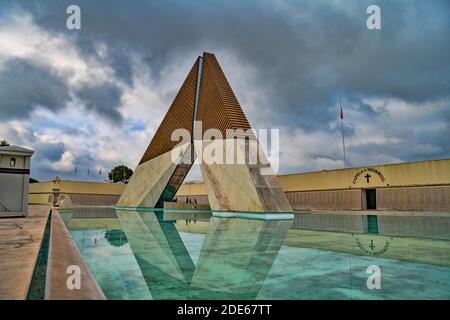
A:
(20, 241)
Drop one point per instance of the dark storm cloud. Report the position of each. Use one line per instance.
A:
(50, 151)
(442, 138)
(104, 99)
(24, 85)
(362, 106)
(407, 149)
(307, 53)
(45, 153)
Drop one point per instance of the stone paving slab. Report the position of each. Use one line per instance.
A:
(20, 241)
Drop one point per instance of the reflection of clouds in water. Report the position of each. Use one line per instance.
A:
(114, 267)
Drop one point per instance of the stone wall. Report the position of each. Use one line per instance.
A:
(325, 200)
(80, 199)
(414, 198)
(401, 199)
(201, 199)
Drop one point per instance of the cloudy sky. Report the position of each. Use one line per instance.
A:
(92, 98)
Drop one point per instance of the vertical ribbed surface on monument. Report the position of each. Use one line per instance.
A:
(218, 107)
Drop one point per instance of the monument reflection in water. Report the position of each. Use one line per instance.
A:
(236, 256)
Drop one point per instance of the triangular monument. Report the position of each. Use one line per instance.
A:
(206, 104)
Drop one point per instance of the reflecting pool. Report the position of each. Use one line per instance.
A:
(169, 254)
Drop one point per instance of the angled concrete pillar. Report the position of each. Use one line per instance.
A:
(239, 184)
(156, 180)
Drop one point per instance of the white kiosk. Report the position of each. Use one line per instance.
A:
(14, 178)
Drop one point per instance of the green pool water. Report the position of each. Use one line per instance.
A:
(142, 255)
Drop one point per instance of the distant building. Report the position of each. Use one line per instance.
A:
(14, 177)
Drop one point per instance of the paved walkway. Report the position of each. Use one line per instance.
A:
(20, 241)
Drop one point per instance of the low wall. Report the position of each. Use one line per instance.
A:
(81, 192)
(186, 206)
(325, 200)
(40, 198)
(80, 199)
(436, 198)
(201, 199)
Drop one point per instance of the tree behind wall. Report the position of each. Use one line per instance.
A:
(4, 143)
(120, 174)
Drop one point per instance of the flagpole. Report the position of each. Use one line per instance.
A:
(342, 130)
